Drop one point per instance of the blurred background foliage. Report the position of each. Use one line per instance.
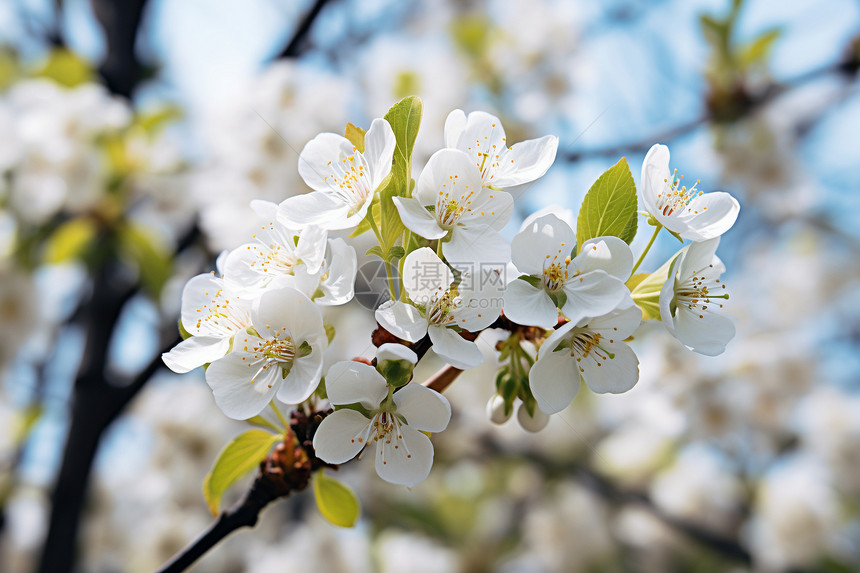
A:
(133, 135)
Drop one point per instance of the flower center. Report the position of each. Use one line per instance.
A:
(555, 270)
(585, 343)
(450, 208)
(219, 317)
(278, 349)
(675, 197)
(698, 293)
(348, 179)
(439, 309)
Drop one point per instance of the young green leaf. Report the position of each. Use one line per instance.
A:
(355, 135)
(70, 240)
(336, 501)
(144, 248)
(405, 119)
(609, 207)
(240, 456)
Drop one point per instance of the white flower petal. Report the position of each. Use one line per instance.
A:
(348, 382)
(242, 390)
(554, 379)
(418, 219)
(620, 323)
(195, 351)
(402, 320)
(528, 305)
(425, 275)
(592, 294)
(655, 172)
(405, 459)
(704, 332)
(320, 209)
(303, 379)
(287, 312)
(424, 409)
(310, 248)
(696, 258)
(544, 236)
(455, 123)
(454, 349)
(339, 284)
(609, 254)
(340, 436)
(710, 215)
(614, 375)
(316, 156)
(475, 246)
(449, 174)
(526, 161)
(492, 208)
(395, 351)
(379, 144)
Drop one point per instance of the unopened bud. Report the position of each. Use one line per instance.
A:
(496, 410)
(532, 423)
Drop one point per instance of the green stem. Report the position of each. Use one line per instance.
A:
(647, 248)
(439, 249)
(389, 273)
(407, 238)
(280, 416)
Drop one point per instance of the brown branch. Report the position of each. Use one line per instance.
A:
(442, 379)
(284, 471)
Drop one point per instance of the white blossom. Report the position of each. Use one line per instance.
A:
(465, 217)
(344, 179)
(394, 423)
(592, 350)
(681, 209)
(591, 283)
(482, 137)
(283, 357)
(212, 313)
(439, 305)
(690, 300)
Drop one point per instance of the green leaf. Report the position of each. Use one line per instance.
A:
(240, 456)
(152, 258)
(645, 289)
(405, 119)
(65, 68)
(261, 421)
(70, 240)
(396, 252)
(532, 280)
(355, 135)
(365, 226)
(336, 501)
(375, 250)
(757, 51)
(609, 207)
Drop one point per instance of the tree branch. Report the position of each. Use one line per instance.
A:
(843, 67)
(296, 45)
(121, 70)
(606, 488)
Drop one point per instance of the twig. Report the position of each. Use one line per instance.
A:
(294, 48)
(442, 379)
(766, 96)
(607, 489)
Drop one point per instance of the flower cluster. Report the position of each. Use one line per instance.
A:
(569, 300)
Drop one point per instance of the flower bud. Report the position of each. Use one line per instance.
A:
(496, 411)
(532, 423)
(395, 362)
